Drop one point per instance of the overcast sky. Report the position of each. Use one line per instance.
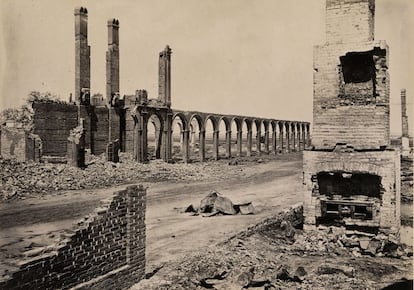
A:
(229, 56)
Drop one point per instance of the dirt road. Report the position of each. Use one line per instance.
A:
(271, 186)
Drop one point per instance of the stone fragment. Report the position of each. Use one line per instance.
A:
(207, 203)
(224, 205)
(246, 208)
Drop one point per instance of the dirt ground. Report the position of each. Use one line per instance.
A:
(272, 184)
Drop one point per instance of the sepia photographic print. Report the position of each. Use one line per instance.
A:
(206, 144)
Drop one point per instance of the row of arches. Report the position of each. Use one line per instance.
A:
(190, 136)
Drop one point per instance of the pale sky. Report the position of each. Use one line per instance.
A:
(240, 57)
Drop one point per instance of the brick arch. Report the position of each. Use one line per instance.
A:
(258, 123)
(199, 120)
(274, 125)
(226, 121)
(214, 121)
(157, 120)
(238, 122)
(248, 123)
(183, 120)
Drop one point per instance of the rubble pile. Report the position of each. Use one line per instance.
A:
(215, 203)
(275, 254)
(22, 179)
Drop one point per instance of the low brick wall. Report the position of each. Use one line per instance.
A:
(19, 144)
(106, 250)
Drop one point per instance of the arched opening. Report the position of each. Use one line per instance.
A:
(195, 138)
(154, 129)
(210, 145)
(223, 134)
(235, 137)
(255, 130)
(247, 137)
(179, 138)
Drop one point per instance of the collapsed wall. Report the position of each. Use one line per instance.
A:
(106, 250)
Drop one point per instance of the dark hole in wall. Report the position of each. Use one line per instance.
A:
(359, 67)
(349, 184)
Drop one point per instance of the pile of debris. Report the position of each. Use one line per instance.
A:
(19, 180)
(215, 203)
(277, 254)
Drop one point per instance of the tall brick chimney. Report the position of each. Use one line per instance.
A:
(351, 81)
(82, 57)
(350, 173)
(404, 118)
(164, 77)
(112, 61)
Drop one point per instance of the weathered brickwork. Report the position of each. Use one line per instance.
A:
(349, 21)
(164, 77)
(351, 82)
(384, 164)
(52, 123)
(82, 55)
(350, 174)
(112, 60)
(106, 250)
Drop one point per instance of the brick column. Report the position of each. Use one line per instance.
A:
(228, 144)
(287, 134)
(202, 146)
(240, 142)
(215, 145)
(82, 57)
(258, 144)
(274, 141)
(266, 144)
(185, 145)
(136, 233)
(249, 143)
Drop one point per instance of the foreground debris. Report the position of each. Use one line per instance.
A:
(277, 254)
(215, 203)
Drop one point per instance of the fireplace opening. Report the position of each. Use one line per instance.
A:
(349, 198)
(347, 185)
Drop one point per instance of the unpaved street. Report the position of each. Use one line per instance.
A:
(271, 185)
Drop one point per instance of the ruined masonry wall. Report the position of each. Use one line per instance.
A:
(381, 163)
(364, 124)
(106, 250)
(53, 122)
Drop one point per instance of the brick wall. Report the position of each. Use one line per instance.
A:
(351, 113)
(349, 20)
(53, 122)
(129, 131)
(13, 143)
(351, 81)
(106, 250)
(381, 163)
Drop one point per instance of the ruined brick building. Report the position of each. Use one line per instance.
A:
(122, 121)
(351, 174)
